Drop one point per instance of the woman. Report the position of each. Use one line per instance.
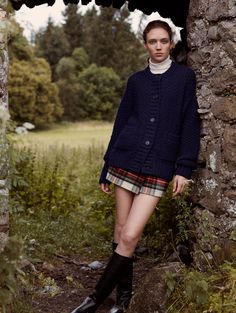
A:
(155, 137)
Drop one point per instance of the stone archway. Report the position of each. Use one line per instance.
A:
(212, 44)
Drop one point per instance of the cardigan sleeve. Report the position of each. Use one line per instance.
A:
(190, 132)
(122, 116)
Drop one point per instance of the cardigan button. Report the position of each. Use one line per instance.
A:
(152, 119)
(147, 142)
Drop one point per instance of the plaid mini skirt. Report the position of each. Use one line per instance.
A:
(137, 183)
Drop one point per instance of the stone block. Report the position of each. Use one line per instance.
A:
(227, 30)
(213, 33)
(214, 156)
(230, 47)
(220, 9)
(198, 8)
(223, 82)
(229, 147)
(225, 108)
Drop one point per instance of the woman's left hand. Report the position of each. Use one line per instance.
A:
(179, 185)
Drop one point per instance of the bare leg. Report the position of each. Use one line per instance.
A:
(142, 208)
(124, 200)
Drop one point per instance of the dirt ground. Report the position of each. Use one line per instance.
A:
(75, 281)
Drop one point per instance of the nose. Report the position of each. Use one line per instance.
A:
(158, 45)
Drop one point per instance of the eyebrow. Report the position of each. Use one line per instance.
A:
(164, 38)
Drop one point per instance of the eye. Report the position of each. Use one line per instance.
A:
(165, 41)
(152, 42)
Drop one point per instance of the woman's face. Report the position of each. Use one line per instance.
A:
(158, 44)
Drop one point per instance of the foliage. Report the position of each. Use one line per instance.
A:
(52, 44)
(70, 89)
(99, 93)
(9, 267)
(73, 26)
(171, 224)
(87, 91)
(196, 292)
(32, 95)
(18, 46)
(55, 191)
(112, 44)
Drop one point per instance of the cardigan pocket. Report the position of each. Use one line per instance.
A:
(127, 138)
(168, 147)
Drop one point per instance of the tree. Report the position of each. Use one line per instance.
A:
(18, 45)
(100, 92)
(112, 44)
(73, 26)
(32, 95)
(52, 44)
(68, 70)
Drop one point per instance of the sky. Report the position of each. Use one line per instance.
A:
(33, 19)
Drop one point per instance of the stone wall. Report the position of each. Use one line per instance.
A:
(3, 119)
(212, 39)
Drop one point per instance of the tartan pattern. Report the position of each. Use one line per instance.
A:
(137, 183)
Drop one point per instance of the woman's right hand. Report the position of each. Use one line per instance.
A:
(106, 188)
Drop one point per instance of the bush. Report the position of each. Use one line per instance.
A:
(210, 292)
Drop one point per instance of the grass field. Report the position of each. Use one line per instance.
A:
(80, 134)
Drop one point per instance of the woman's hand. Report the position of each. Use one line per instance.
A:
(179, 185)
(106, 188)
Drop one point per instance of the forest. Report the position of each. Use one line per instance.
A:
(75, 71)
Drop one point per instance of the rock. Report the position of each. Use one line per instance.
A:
(48, 267)
(225, 251)
(231, 194)
(227, 30)
(220, 9)
(214, 156)
(229, 145)
(151, 294)
(225, 108)
(213, 33)
(96, 265)
(224, 81)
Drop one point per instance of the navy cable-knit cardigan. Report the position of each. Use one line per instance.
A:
(157, 126)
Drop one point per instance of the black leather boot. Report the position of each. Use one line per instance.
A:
(124, 287)
(109, 279)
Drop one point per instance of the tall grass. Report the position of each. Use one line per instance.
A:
(56, 202)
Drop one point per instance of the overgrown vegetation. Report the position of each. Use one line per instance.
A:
(56, 202)
(58, 209)
(210, 292)
(171, 224)
(10, 258)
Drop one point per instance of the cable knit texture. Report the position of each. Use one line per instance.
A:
(157, 126)
(160, 68)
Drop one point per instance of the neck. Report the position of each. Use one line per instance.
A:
(159, 68)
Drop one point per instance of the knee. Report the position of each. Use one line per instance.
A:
(128, 237)
(118, 229)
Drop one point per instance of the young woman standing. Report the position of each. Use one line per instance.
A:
(155, 139)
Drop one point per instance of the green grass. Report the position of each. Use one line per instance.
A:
(82, 134)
